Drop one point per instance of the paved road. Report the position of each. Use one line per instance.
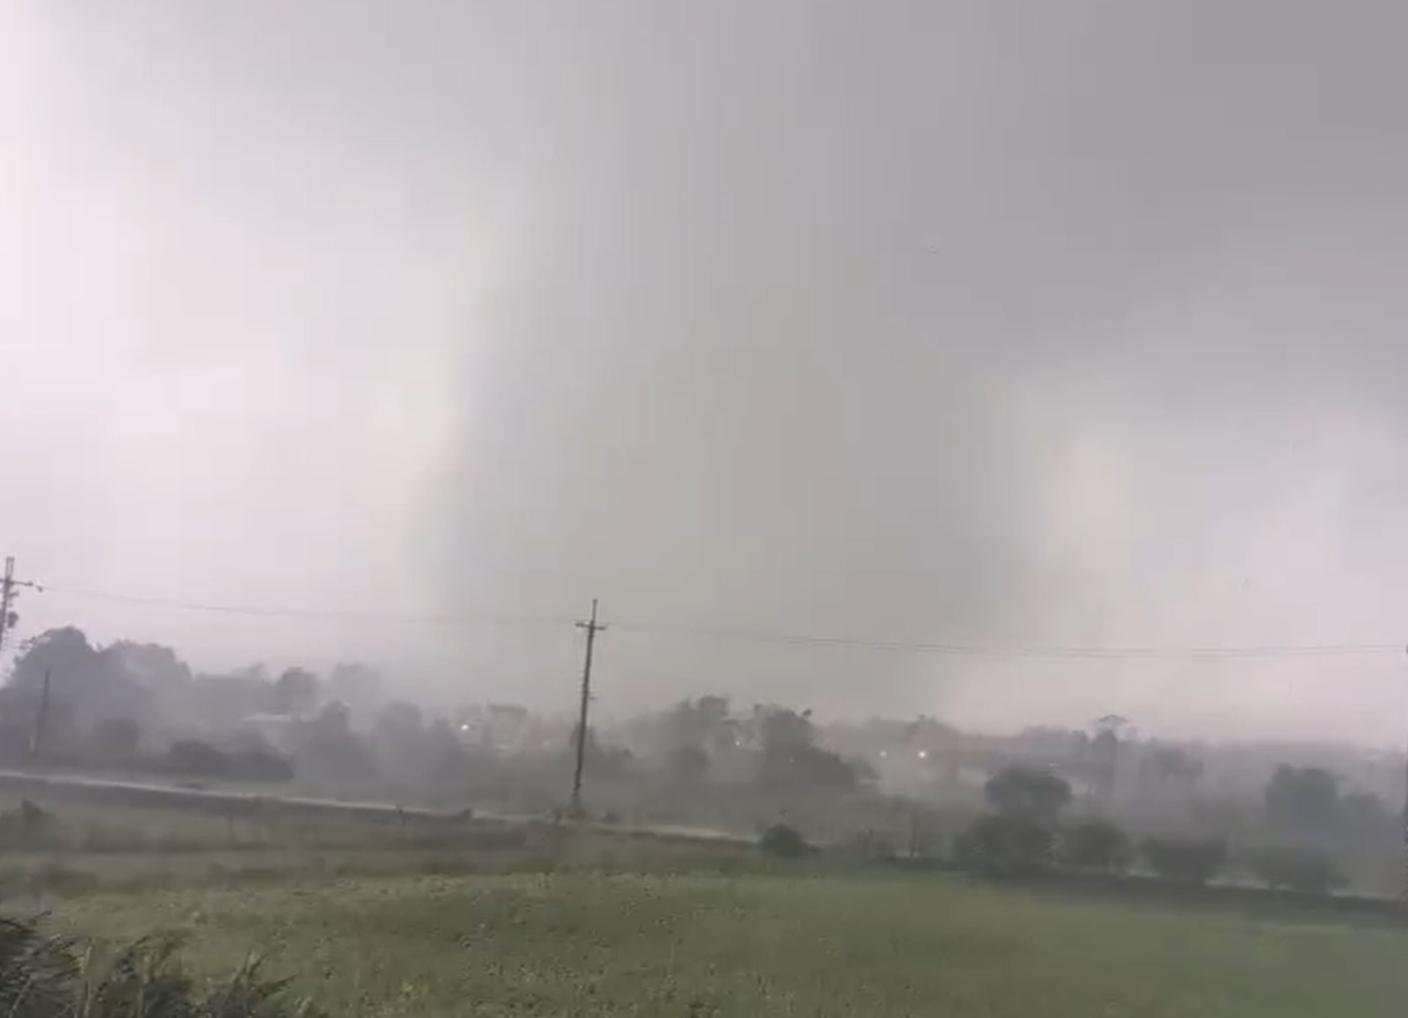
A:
(133, 792)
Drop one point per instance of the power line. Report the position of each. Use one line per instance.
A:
(1022, 650)
(330, 614)
(938, 648)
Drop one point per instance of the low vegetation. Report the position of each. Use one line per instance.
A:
(1301, 869)
(999, 845)
(878, 943)
(1190, 861)
(487, 917)
(784, 842)
(1097, 845)
(43, 975)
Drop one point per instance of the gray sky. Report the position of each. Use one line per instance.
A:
(1003, 323)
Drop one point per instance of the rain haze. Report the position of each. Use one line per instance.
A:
(1014, 326)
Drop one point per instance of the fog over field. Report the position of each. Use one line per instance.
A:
(1027, 327)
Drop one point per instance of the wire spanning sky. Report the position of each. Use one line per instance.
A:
(966, 324)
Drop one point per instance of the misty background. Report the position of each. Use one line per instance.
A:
(1011, 324)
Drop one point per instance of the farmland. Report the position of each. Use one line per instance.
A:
(752, 944)
(489, 918)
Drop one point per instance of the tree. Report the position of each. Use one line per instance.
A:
(1104, 752)
(156, 667)
(698, 723)
(1005, 844)
(115, 739)
(1295, 868)
(193, 756)
(64, 651)
(441, 757)
(252, 758)
(328, 750)
(1166, 768)
(217, 700)
(1095, 844)
(597, 759)
(688, 764)
(90, 684)
(782, 731)
(1035, 795)
(398, 725)
(791, 757)
(296, 691)
(1302, 799)
(355, 684)
(1192, 861)
(259, 765)
(1364, 815)
(784, 842)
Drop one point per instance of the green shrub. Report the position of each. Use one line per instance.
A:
(784, 842)
(25, 826)
(1192, 861)
(1306, 870)
(1001, 845)
(1095, 845)
(49, 977)
(37, 972)
(144, 979)
(1028, 793)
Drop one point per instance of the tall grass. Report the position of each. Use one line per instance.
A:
(44, 976)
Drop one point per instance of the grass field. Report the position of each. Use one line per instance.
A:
(588, 943)
(478, 917)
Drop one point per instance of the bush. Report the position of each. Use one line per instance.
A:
(784, 842)
(259, 765)
(688, 764)
(192, 756)
(1306, 870)
(1095, 845)
(1002, 845)
(49, 977)
(1028, 793)
(1304, 799)
(37, 972)
(1185, 860)
(868, 846)
(24, 826)
(115, 739)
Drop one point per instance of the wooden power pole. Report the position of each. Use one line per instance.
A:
(592, 626)
(9, 590)
(1403, 891)
(41, 720)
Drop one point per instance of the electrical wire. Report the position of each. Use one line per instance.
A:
(957, 649)
(330, 614)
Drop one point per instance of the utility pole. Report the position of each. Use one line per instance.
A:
(1403, 891)
(592, 627)
(36, 740)
(9, 590)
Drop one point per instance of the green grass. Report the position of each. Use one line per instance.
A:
(872, 944)
(474, 917)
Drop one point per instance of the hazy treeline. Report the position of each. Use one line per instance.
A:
(906, 786)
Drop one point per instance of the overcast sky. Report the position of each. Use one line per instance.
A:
(1013, 324)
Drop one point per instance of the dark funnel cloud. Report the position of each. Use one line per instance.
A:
(1008, 324)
